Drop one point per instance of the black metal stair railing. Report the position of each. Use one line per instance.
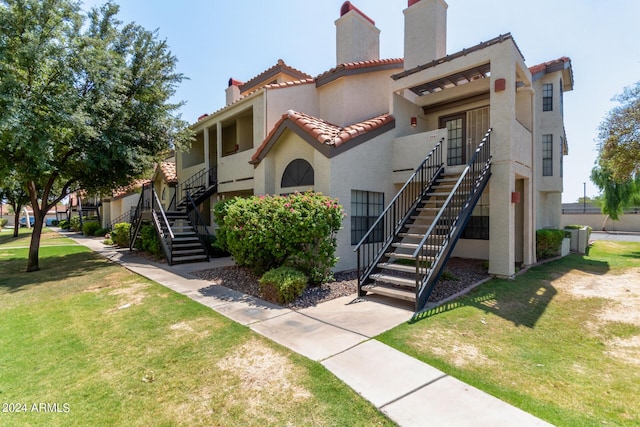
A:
(437, 244)
(144, 205)
(198, 223)
(162, 226)
(203, 179)
(125, 217)
(381, 234)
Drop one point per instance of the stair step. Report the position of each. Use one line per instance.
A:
(413, 246)
(426, 227)
(411, 235)
(186, 239)
(398, 255)
(390, 278)
(195, 251)
(428, 209)
(188, 258)
(439, 193)
(397, 293)
(186, 234)
(397, 267)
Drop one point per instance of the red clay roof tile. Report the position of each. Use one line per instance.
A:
(324, 132)
(543, 67)
(169, 171)
(280, 67)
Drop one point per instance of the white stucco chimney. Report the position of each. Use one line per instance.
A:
(425, 32)
(357, 37)
(233, 91)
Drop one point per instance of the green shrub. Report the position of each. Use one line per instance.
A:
(90, 228)
(120, 234)
(149, 241)
(282, 285)
(108, 242)
(64, 224)
(267, 232)
(215, 250)
(55, 222)
(74, 223)
(3, 222)
(548, 242)
(101, 232)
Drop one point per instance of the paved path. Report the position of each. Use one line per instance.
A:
(619, 236)
(338, 334)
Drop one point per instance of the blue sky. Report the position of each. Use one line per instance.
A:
(216, 40)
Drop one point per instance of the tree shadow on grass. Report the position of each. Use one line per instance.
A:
(522, 300)
(55, 266)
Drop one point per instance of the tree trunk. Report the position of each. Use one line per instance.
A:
(34, 247)
(16, 223)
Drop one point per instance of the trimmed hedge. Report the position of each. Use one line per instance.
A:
(282, 285)
(548, 242)
(266, 232)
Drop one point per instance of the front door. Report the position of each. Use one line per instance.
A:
(456, 147)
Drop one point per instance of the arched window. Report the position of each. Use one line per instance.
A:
(298, 173)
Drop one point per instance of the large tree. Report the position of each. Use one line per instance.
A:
(617, 169)
(616, 195)
(84, 101)
(619, 137)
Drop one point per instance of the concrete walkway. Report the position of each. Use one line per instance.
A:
(338, 334)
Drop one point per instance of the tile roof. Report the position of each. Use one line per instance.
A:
(319, 131)
(334, 73)
(358, 67)
(482, 45)
(169, 171)
(131, 188)
(280, 67)
(289, 84)
(549, 65)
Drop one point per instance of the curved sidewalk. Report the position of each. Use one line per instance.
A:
(338, 334)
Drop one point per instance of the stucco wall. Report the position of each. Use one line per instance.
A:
(364, 168)
(627, 222)
(352, 99)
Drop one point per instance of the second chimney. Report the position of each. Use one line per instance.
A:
(425, 32)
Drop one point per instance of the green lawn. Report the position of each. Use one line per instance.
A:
(561, 341)
(90, 343)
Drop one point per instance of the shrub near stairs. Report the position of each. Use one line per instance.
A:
(120, 234)
(267, 232)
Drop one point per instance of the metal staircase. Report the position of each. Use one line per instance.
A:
(183, 234)
(404, 253)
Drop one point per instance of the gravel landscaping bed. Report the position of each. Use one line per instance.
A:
(462, 273)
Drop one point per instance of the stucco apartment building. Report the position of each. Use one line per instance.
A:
(358, 131)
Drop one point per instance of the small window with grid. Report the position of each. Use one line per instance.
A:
(547, 155)
(366, 207)
(547, 97)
